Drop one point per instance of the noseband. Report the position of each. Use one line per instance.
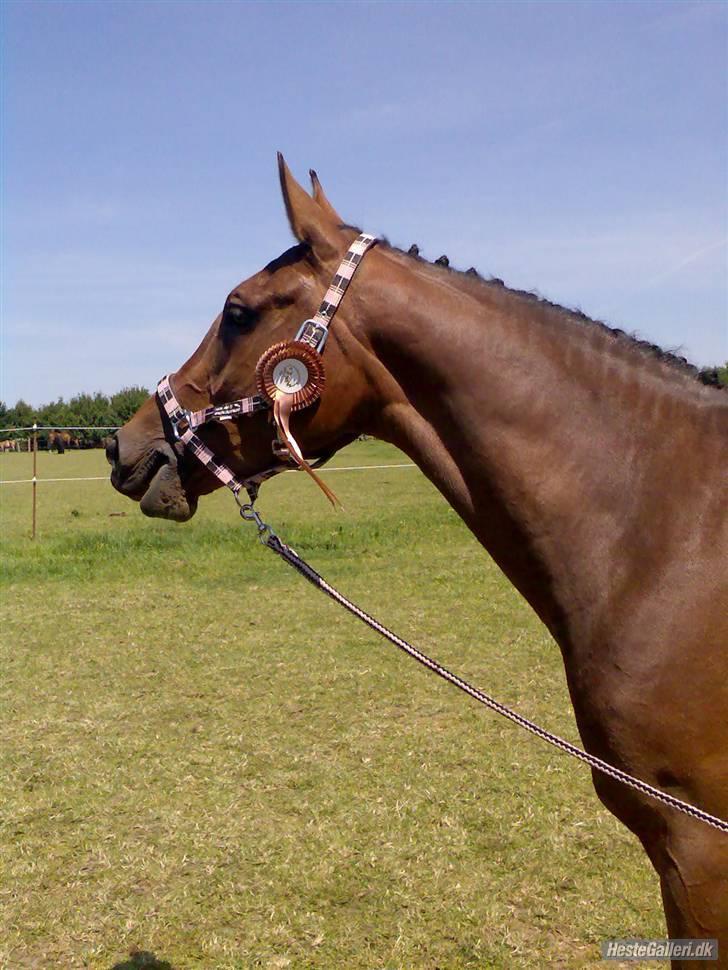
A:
(290, 376)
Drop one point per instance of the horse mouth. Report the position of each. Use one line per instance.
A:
(156, 484)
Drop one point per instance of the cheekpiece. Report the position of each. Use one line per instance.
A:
(291, 367)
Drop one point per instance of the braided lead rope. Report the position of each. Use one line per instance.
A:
(293, 559)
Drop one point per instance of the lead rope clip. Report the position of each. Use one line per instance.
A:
(250, 514)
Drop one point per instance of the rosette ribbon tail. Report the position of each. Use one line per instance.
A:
(282, 409)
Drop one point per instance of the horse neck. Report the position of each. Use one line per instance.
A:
(539, 429)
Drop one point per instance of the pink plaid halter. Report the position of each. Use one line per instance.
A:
(290, 376)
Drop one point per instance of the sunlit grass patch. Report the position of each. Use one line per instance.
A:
(206, 761)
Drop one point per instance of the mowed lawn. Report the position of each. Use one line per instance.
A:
(207, 764)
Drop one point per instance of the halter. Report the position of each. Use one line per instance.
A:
(290, 376)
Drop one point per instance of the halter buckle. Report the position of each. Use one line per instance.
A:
(314, 334)
(178, 418)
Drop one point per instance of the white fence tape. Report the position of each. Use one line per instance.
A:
(63, 427)
(105, 478)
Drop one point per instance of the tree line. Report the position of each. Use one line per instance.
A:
(91, 410)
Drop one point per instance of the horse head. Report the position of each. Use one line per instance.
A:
(149, 467)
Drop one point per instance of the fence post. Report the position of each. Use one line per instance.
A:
(35, 472)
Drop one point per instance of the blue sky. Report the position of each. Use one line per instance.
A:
(580, 149)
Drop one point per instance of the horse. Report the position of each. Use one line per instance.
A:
(8, 444)
(60, 440)
(589, 464)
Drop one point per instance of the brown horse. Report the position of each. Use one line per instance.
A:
(591, 466)
(60, 440)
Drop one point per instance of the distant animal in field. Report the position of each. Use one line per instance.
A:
(58, 441)
(9, 444)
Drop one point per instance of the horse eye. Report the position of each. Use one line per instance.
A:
(239, 316)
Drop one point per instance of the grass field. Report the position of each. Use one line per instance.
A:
(207, 765)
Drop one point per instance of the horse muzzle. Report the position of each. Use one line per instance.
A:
(153, 479)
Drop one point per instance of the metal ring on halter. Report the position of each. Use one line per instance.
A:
(247, 511)
(178, 418)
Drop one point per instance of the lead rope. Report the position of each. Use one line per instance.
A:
(271, 540)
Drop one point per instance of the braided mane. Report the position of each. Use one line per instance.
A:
(704, 375)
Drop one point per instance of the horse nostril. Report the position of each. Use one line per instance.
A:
(112, 450)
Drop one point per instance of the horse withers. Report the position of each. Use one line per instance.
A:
(590, 465)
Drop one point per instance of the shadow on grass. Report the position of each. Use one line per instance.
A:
(142, 960)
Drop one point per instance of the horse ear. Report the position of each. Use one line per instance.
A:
(310, 223)
(320, 197)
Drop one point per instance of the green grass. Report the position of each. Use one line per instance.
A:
(206, 761)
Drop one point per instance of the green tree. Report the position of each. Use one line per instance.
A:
(22, 415)
(126, 402)
(90, 410)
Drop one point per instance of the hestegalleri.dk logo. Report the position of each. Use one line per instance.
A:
(659, 950)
